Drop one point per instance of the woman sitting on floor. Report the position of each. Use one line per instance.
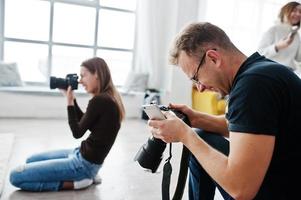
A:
(77, 168)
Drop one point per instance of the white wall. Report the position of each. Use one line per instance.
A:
(45, 104)
(34, 104)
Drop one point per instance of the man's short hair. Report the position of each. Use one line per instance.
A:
(196, 38)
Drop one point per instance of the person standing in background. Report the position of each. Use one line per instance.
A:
(281, 42)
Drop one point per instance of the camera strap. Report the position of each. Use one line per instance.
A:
(167, 170)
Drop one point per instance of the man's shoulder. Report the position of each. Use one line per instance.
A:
(264, 66)
(262, 73)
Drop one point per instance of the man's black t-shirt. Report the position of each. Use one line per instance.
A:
(265, 98)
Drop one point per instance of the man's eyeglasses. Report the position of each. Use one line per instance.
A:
(194, 79)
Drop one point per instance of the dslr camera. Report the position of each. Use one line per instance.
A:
(63, 83)
(150, 154)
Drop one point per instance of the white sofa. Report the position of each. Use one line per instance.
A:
(41, 102)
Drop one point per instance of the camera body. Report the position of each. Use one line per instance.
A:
(178, 113)
(150, 154)
(63, 83)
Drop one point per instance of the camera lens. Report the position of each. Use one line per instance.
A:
(150, 154)
(63, 83)
(60, 83)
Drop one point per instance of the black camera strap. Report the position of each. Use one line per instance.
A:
(167, 170)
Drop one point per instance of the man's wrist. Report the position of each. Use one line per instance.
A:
(186, 136)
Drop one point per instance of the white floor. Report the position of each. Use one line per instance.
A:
(6, 145)
(122, 177)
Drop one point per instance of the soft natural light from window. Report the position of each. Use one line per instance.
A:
(52, 37)
(67, 60)
(119, 63)
(27, 19)
(244, 21)
(123, 4)
(116, 29)
(74, 24)
(31, 60)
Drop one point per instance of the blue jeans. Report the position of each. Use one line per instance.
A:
(47, 171)
(201, 185)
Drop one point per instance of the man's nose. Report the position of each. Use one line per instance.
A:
(200, 87)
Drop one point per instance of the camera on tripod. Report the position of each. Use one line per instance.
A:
(64, 83)
(150, 154)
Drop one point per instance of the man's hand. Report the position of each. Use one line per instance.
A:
(169, 130)
(191, 114)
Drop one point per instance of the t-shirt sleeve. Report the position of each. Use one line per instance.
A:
(254, 106)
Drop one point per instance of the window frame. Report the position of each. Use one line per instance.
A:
(50, 43)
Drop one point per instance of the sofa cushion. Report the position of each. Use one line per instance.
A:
(9, 75)
(136, 82)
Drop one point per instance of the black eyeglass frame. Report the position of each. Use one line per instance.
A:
(194, 79)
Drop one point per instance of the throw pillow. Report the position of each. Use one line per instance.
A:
(136, 82)
(9, 74)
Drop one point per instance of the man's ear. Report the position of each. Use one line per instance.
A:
(214, 56)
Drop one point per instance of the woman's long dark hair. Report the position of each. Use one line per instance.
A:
(100, 67)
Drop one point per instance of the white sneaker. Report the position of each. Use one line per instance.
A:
(84, 183)
(97, 179)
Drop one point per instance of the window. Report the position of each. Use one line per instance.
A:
(123, 4)
(27, 19)
(31, 58)
(119, 63)
(73, 24)
(52, 37)
(116, 29)
(66, 59)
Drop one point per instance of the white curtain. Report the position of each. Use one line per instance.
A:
(159, 21)
(155, 27)
(157, 24)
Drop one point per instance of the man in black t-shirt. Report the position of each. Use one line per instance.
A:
(261, 124)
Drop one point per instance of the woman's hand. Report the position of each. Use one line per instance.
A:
(70, 95)
(284, 43)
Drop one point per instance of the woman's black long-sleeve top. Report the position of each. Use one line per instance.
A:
(102, 120)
